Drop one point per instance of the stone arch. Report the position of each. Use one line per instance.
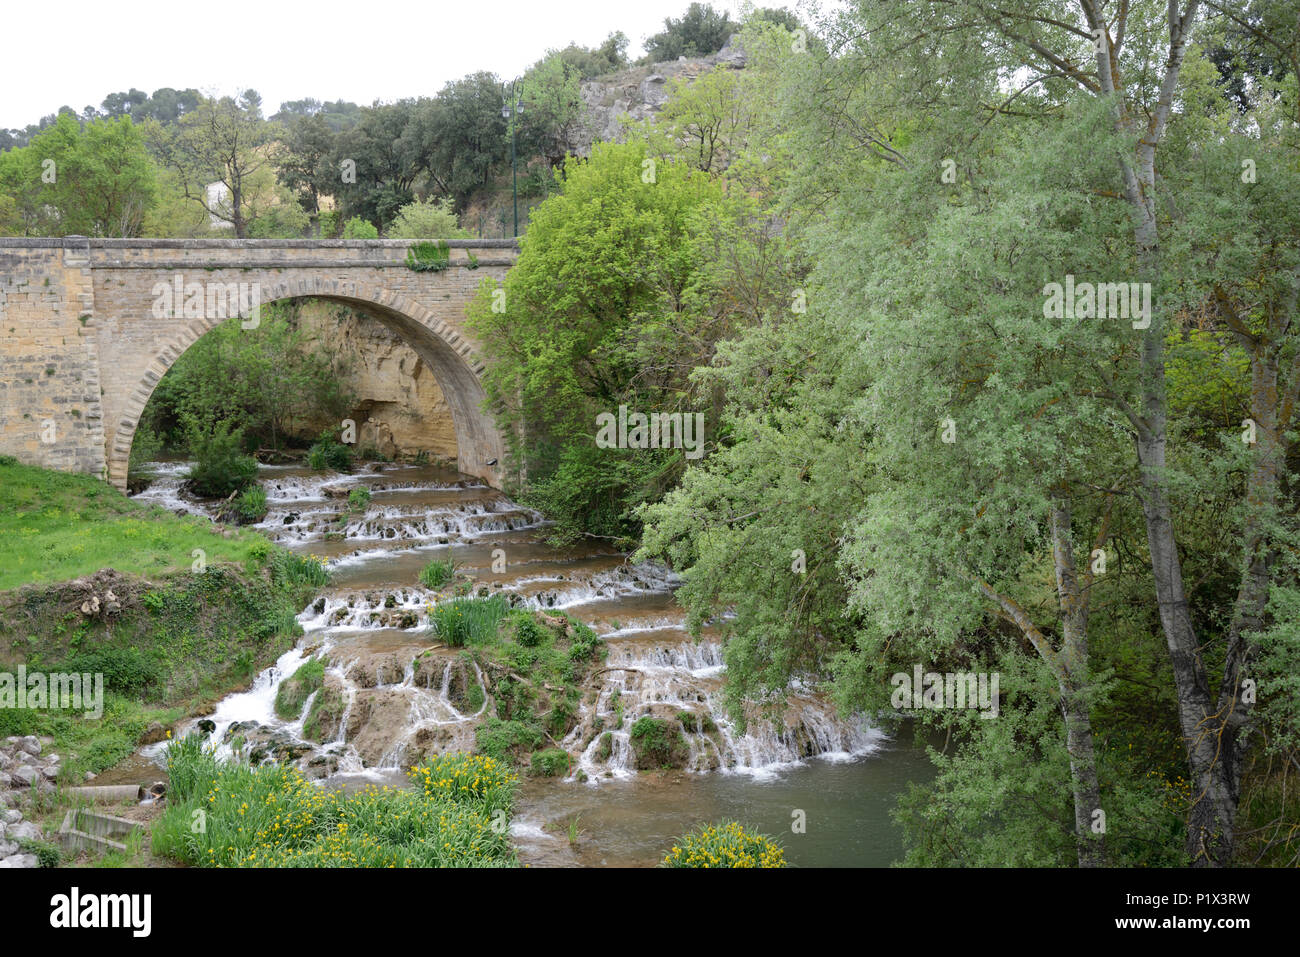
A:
(452, 359)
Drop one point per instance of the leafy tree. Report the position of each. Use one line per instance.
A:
(624, 284)
(266, 380)
(305, 162)
(389, 157)
(166, 105)
(465, 134)
(701, 30)
(709, 118)
(338, 115)
(93, 181)
(224, 142)
(552, 108)
(609, 57)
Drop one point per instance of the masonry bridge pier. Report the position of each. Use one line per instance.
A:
(83, 341)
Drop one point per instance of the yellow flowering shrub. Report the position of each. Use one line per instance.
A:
(727, 844)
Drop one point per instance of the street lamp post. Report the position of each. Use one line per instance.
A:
(511, 111)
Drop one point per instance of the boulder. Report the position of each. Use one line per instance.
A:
(25, 776)
(32, 745)
(20, 860)
(11, 816)
(23, 831)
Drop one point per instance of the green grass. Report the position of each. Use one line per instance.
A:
(468, 621)
(456, 814)
(179, 640)
(437, 573)
(85, 743)
(55, 526)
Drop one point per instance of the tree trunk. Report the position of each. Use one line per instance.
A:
(1074, 683)
(1210, 822)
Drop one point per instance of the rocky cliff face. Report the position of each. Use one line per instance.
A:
(400, 410)
(610, 102)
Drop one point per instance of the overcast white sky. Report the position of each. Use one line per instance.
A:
(74, 53)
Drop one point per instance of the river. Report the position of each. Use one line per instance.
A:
(820, 784)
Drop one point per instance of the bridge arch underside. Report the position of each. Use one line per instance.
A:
(448, 355)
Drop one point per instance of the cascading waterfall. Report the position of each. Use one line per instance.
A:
(392, 695)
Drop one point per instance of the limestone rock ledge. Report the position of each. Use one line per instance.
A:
(400, 410)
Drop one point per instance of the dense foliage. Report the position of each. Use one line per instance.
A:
(916, 453)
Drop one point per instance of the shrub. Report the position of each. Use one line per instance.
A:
(553, 762)
(259, 550)
(328, 221)
(431, 219)
(47, 855)
(701, 723)
(527, 631)
(500, 739)
(586, 643)
(328, 454)
(358, 228)
(657, 743)
(436, 574)
(251, 504)
(358, 499)
(468, 621)
(727, 844)
(221, 466)
(126, 671)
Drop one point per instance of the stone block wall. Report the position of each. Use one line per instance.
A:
(50, 409)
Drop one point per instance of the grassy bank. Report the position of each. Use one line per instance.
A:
(457, 814)
(56, 526)
(109, 587)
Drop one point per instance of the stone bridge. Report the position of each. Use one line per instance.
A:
(88, 327)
